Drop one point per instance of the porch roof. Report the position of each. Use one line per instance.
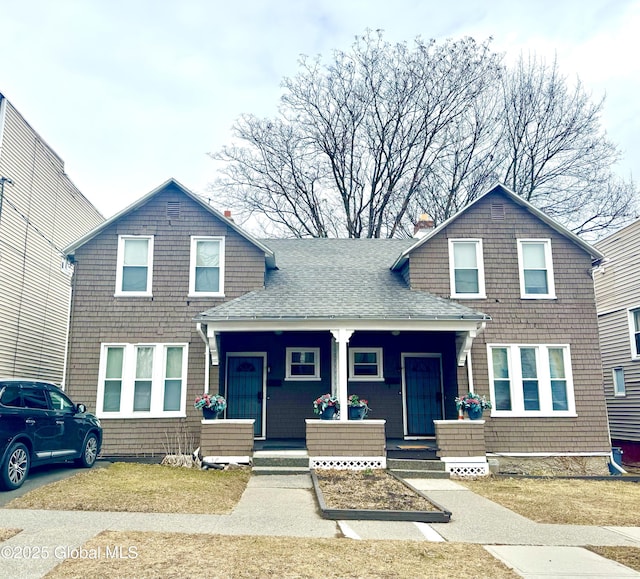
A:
(333, 279)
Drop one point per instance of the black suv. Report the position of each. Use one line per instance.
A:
(39, 424)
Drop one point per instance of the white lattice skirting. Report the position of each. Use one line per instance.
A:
(467, 466)
(348, 462)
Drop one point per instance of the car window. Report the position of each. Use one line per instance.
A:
(35, 398)
(61, 402)
(10, 396)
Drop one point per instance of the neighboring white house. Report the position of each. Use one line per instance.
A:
(617, 283)
(41, 211)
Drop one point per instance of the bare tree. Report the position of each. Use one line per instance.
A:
(363, 145)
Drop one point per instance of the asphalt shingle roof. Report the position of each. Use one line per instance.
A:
(338, 278)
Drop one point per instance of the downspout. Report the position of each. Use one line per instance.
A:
(207, 353)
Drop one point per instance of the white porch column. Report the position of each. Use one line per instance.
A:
(342, 337)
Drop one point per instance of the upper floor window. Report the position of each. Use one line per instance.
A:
(135, 265)
(536, 269)
(142, 381)
(303, 364)
(206, 272)
(531, 379)
(466, 268)
(634, 331)
(365, 364)
(619, 388)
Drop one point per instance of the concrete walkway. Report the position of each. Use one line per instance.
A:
(285, 506)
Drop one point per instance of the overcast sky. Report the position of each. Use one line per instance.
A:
(132, 92)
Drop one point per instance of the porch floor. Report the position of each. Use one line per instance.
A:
(396, 447)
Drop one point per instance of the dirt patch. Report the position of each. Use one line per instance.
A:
(368, 490)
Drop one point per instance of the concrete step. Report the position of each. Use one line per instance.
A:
(274, 470)
(281, 458)
(407, 468)
(409, 464)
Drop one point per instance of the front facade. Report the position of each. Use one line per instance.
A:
(172, 299)
(618, 300)
(41, 212)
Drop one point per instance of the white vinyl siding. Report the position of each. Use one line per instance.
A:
(134, 273)
(365, 364)
(303, 364)
(142, 381)
(466, 268)
(206, 268)
(536, 269)
(531, 380)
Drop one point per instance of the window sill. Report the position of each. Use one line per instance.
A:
(366, 379)
(302, 379)
(468, 296)
(538, 297)
(138, 415)
(533, 414)
(205, 295)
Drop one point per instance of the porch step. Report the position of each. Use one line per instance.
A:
(407, 468)
(280, 462)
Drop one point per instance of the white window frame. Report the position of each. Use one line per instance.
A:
(548, 259)
(192, 266)
(481, 294)
(289, 363)
(635, 355)
(619, 386)
(378, 377)
(120, 264)
(129, 377)
(544, 381)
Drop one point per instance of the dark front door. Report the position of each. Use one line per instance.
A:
(245, 389)
(423, 394)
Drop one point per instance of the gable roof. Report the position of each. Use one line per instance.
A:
(592, 251)
(269, 256)
(332, 279)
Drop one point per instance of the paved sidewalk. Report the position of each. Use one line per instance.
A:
(285, 506)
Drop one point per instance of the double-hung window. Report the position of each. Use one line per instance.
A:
(634, 332)
(466, 268)
(142, 380)
(303, 364)
(536, 269)
(206, 272)
(365, 364)
(531, 380)
(134, 265)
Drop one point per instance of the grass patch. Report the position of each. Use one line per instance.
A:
(563, 501)
(628, 556)
(145, 488)
(189, 555)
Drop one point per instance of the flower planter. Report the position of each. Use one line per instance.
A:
(357, 412)
(474, 413)
(328, 413)
(209, 414)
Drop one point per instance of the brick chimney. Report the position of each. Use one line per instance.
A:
(423, 226)
(227, 214)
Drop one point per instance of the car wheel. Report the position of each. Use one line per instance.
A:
(89, 452)
(16, 467)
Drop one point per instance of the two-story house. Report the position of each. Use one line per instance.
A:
(41, 211)
(171, 298)
(617, 282)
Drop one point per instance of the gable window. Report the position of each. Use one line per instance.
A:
(135, 265)
(619, 388)
(303, 364)
(142, 380)
(466, 268)
(536, 269)
(531, 380)
(634, 331)
(206, 277)
(365, 364)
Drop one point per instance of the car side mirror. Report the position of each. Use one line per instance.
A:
(81, 408)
